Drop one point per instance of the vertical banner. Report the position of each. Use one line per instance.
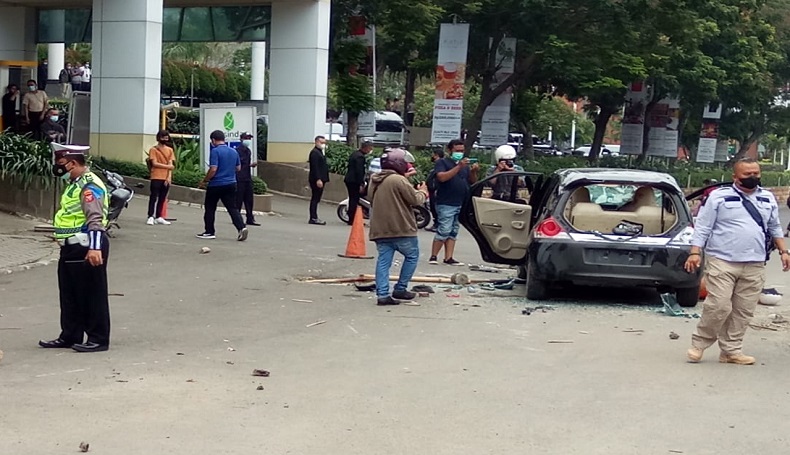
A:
(496, 119)
(708, 136)
(633, 126)
(664, 120)
(448, 105)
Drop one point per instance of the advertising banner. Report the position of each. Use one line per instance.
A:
(708, 136)
(231, 120)
(448, 102)
(496, 119)
(722, 151)
(664, 120)
(633, 126)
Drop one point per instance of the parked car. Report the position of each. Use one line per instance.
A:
(606, 150)
(601, 227)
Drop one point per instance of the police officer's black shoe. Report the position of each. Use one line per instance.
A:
(57, 343)
(90, 346)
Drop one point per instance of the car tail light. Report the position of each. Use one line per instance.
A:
(548, 228)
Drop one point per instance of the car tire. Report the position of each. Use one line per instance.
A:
(536, 289)
(687, 297)
(521, 274)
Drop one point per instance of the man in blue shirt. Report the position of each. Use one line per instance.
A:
(454, 175)
(735, 227)
(224, 163)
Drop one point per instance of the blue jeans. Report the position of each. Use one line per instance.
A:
(409, 247)
(447, 222)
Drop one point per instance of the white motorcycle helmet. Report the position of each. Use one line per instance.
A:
(505, 152)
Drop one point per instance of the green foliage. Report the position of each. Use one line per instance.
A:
(187, 121)
(263, 140)
(211, 84)
(189, 179)
(25, 160)
(127, 168)
(337, 155)
(259, 186)
(188, 156)
(352, 89)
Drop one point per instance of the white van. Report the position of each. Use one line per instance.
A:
(389, 129)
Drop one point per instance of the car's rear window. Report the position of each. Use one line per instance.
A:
(617, 194)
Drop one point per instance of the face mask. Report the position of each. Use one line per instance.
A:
(59, 170)
(750, 183)
(163, 141)
(322, 146)
(54, 118)
(31, 88)
(247, 143)
(457, 156)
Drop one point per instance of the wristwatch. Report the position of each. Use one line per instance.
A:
(783, 252)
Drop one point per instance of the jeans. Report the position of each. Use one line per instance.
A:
(409, 247)
(244, 196)
(353, 200)
(226, 194)
(447, 222)
(315, 199)
(158, 197)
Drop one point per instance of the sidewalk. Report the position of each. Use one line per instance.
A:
(20, 247)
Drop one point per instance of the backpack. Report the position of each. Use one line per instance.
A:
(63, 77)
(432, 182)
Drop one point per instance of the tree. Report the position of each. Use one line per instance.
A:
(352, 90)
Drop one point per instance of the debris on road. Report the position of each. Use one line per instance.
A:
(542, 308)
(260, 387)
(673, 336)
(368, 287)
(205, 250)
(411, 304)
(460, 278)
(560, 341)
(584, 332)
(261, 373)
(191, 380)
(633, 331)
(179, 353)
(423, 294)
(231, 348)
(315, 324)
(84, 446)
(672, 308)
(422, 288)
(301, 301)
(483, 268)
(116, 294)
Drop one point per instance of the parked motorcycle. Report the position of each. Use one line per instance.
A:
(422, 213)
(120, 195)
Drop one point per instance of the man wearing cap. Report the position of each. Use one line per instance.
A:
(80, 226)
(244, 194)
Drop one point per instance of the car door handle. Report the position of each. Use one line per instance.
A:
(519, 211)
(517, 225)
(492, 225)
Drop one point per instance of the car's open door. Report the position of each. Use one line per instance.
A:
(501, 227)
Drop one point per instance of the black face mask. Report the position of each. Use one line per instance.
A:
(750, 183)
(59, 170)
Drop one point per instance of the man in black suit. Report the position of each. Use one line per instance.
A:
(318, 177)
(355, 178)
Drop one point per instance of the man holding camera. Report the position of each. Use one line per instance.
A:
(502, 187)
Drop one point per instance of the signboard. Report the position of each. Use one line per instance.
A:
(496, 118)
(664, 120)
(722, 154)
(448, 105)
(633, 126)
(231, 120)
(708, 136)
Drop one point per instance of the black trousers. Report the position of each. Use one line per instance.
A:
(158, 197)
(315, 199)
(226, 194)
(244, 197)
(432, 204)
(34, 124)
(84, 303)
(353, 200)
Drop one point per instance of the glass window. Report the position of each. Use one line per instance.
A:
(171, 24)
(197, 25)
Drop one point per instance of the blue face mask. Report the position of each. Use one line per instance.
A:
(54, 118)
(247, 142)
(457, 156)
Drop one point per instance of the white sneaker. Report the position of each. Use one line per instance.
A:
(161, 220)
(150, 221)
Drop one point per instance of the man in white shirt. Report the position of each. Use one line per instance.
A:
(85, 86)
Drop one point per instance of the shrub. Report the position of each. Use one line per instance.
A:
(25, 160)
(129, 169)
(337, 155)
(190, 179)
(259, 186)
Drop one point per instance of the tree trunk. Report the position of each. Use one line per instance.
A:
(601, 123)
(353, 126)
(646, 130)
(408, 96)
(526, 142)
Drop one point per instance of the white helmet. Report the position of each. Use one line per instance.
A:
(505, 152)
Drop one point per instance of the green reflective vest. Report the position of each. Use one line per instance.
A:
(70, 219)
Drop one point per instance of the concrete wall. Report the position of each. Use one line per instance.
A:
(292, 179)
(34, 200)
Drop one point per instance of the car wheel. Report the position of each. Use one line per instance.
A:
(521, 276)
(536, 289)
(342, 212)
(687, 297)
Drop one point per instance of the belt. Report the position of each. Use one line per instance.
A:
(76, 239)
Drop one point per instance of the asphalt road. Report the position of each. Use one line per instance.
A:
(455, 375)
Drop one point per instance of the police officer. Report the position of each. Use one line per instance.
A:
(736, 228)
(82, 269)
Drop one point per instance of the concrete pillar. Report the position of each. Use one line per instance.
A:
(17, 39)
(56, 54)
(297, 77)
(125, 82)
(258, 70)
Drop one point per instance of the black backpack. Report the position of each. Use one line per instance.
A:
(63, 77)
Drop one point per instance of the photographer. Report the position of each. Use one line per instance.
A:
(503, 186)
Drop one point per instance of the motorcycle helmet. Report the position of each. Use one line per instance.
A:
(396, 160)
(505, 152)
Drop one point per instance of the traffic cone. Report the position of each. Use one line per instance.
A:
(355, 248)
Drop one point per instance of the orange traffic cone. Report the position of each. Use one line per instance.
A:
(355, 248)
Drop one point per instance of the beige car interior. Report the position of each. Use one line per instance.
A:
(505, 226)
(588, 216)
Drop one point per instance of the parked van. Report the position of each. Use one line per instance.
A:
(390, 129)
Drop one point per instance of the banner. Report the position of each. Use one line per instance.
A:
(706, 150)
(664, 120)
(722, 151)
(448, 105)
(633, 126)
(496, 119)
(231, 120)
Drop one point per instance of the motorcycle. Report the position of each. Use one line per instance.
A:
(422, 213)
(120, 195)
